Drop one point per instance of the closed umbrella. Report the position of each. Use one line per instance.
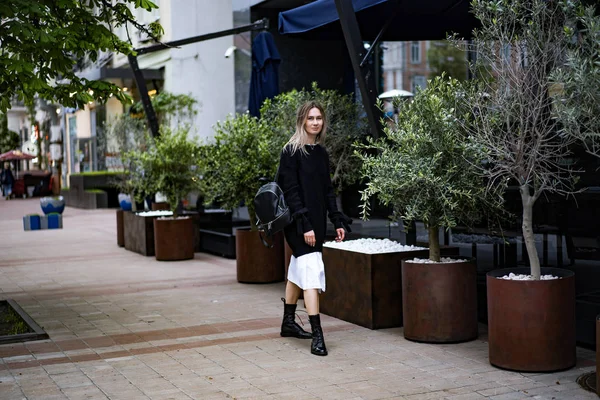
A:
(265, 72)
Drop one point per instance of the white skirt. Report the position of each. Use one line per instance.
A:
(307, 271)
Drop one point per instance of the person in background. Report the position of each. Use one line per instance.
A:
(7, 179)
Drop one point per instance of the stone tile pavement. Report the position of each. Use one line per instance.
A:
(124, 326)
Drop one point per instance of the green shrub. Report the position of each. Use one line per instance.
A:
(99, 173)
(245, 149)
(170, 167)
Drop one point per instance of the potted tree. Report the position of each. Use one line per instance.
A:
(244, 151)
(121, 137)
(425, 170)
(173, 111)
(170, 167)
(521, 47)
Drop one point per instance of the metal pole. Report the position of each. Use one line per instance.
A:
(143, 89)
(255, 26)
(356, 50)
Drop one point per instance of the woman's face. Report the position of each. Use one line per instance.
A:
(314, 123)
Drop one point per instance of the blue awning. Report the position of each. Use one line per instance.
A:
(414, 19)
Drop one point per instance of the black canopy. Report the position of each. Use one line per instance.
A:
(410, 19)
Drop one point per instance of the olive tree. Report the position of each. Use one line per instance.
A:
(425, 167)
(520, 46)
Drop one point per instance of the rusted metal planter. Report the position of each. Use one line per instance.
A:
(439, 301)
(174, 239)
(255, 262)
(139, 233)
(365, 289)
(120, 231)
(531, 324)
(163, 205)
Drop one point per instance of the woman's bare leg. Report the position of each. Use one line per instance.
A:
(311, 301)
(292, 293)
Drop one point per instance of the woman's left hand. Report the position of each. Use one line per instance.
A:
(341, 234)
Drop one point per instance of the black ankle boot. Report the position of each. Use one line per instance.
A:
(289, 327)
(318, 342)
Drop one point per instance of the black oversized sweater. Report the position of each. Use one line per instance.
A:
(308, 191)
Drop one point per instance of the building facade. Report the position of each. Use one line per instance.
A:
(199, 70)
(405, 65)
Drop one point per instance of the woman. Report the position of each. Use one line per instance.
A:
(304, 178)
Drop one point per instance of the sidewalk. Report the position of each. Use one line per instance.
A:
(124, 326)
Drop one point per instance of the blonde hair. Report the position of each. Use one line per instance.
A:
(300, 137)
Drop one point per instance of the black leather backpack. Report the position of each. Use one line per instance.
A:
(272, 212)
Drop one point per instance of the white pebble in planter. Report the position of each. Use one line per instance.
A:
(443, 260)
(158, 213)
(523, 277)
(372, 246)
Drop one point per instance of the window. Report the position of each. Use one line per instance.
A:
(415, 52)
(398, 84)
(389, 80)
(418, 81)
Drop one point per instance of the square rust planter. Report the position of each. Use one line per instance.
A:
(138, 233)
(365, 289)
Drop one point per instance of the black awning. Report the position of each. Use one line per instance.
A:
(414, 19)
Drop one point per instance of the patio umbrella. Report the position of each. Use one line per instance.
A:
(15, 155)
(265, 72)
(391, 94)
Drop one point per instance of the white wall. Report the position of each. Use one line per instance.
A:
(201, 69)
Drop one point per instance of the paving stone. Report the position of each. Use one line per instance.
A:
(467, 396)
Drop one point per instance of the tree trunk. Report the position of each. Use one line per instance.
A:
(252, 216)
(434, 243)
(528, 236)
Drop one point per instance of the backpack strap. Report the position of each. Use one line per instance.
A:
(264, 242)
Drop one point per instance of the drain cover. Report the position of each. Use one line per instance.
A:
(588, 381)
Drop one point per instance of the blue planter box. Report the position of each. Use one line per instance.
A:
(54, 221)
(51, 221)
(32, 222)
